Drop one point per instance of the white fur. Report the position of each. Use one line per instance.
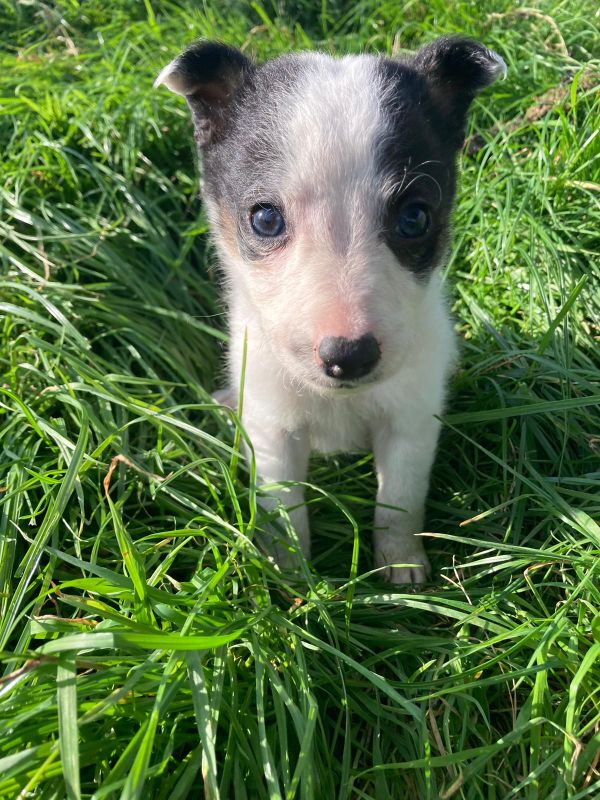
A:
(169, 77)
(496, 65)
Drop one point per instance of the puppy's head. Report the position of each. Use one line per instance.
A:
(329, 184)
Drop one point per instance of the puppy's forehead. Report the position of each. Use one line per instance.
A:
(333, 118)
(309, 118)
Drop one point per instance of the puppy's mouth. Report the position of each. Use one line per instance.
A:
(343, 386)
(351, 387)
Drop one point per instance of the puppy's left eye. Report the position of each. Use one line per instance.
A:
(266, 220)
(413, 221)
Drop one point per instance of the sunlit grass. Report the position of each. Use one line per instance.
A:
(149, 648)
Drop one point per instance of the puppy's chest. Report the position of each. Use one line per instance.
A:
(338, 429)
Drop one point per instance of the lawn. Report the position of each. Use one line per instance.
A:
(148, 648)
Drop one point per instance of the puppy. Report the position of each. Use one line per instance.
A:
(329, 184)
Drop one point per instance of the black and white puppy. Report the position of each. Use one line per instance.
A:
(329, 184)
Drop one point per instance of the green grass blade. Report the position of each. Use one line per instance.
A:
(66, 696)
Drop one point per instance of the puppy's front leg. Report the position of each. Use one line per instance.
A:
(403, 460)
(282, 456)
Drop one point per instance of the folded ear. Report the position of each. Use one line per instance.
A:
(208, 75)
(455, 70)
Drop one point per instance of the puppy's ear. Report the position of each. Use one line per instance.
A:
(208, 75)
(455, 70)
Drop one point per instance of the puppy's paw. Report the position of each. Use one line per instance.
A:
(285, 550)
(287, 559)
(226, 397)
(406, 551)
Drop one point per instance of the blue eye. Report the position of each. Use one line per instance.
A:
(413, 221)
(266, 220)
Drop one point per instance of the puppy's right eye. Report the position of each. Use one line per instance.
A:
(413, 221)
(266, 220)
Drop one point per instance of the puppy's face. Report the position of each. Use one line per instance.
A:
(329, 184)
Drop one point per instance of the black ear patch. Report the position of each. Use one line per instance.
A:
(455, 70)
(208, 75)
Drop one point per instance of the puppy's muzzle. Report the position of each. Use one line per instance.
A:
(348, 359)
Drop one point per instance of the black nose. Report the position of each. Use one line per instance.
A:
(348, 359)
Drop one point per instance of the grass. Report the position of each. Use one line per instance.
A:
(148, 648)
